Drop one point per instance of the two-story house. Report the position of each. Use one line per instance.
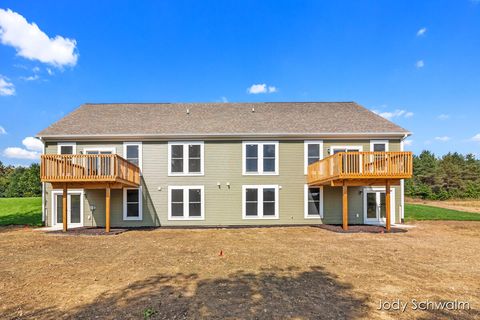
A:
(223, 164)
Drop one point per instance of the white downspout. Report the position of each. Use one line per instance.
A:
(43, 187)
(402, 186)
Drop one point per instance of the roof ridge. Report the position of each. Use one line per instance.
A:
(214, 102)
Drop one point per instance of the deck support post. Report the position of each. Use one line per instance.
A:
(107, 209)
(387, 205)
(64, 207)
(345, 207)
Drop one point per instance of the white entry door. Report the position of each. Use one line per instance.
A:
(74, 209)
(375, 210)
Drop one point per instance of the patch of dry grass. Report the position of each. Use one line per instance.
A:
(296, 273)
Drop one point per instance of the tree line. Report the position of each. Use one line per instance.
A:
(20, 181)
(451, 176)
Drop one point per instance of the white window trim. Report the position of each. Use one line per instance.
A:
(260, 158)
(305, 151)
(385, 142)
(140, 152)
(186, 157)
(140, 205)
(113, 150)
(392, 205)
(53, 211)
(186, 202)
(67, 144)
(260, 202)
(332, 148)
(306, 215)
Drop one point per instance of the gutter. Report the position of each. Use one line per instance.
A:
(222, 136)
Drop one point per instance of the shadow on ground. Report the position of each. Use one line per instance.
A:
(31, 218)
(269, 294)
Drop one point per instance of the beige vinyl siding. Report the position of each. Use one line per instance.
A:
(223, 205)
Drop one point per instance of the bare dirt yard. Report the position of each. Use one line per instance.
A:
(265, 273)
(460, 205)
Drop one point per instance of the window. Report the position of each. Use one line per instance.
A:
(185, 203)
(260, 158)
(132, 204)
(313, 202)
(260, 202)
(313, 151)
(337, 149)
(132, 151)
(379, 160)
(379, 145)
(66, 148)
(99, 165)
(351, 163)
(185, 158)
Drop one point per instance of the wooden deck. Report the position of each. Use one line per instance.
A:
(361, 168)
(89, 171)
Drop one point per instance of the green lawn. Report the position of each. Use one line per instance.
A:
(421, 212)
(21, 211)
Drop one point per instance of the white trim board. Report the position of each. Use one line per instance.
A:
(392, 205)
(186, 157)
(140, 152)
(305, 203)
(186, 202)
(306, 143)
(385, 142)
(140, 205)
(67, 144)
(260, 171)
(113, 150)
(53, 206)
(260, 202)
(348, 148)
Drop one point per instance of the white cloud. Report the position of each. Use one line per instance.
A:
(36, 69)
(2, 130)
(420, 64)
(272, 89)
(6, 87)
(19, 153)
(224, 99)
(443, 139)
(33, 144)
(421, 32)
(476, 138)
(31, 78)
(394, 114)
(49, 71)
(261, 88)
(408, 142)
(443, 117)
(33, 150)
(33, 44)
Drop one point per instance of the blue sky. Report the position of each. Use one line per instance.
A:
(415, 62)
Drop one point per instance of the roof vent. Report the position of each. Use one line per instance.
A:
(188, 111)
(253, 109)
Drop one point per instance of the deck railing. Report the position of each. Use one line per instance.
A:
(361, 165)
(88, 168)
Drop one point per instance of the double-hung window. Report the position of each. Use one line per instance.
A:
(132, 151)
(186, 203)
(185, 158)
(66, 148)
(313, 202)
(260, 202)
(260, 158)
(313, 151)
(132, 203)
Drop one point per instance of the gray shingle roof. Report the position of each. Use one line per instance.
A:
(221, 119)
